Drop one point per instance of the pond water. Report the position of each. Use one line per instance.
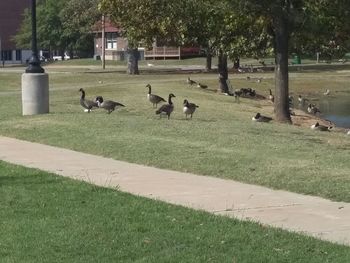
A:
(336, 109)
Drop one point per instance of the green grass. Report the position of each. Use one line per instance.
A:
(220, 141)
(48, 218)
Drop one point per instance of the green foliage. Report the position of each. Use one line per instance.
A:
(325, 29)
(61, 25)
(147, 21)
(24, 34)
(78, 18)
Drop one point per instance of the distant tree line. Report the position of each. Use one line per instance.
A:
(62, 25)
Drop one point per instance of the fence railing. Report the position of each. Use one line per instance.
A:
(157, 52)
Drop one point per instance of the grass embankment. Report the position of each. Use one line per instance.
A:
(221, 140)
(47, 218)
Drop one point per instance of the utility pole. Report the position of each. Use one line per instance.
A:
(103, 43)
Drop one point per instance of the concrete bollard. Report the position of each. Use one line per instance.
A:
(35, 93)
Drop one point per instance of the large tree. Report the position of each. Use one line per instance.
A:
(49, 26)
(61, 25)
(145, 22)
(279, 18)
(78, 18)
(298, 25)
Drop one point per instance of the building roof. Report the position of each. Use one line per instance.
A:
(11, 16)
(109, 27)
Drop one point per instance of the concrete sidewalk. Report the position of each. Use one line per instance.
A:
(312, 215)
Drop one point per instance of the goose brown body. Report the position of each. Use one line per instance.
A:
(271, 97)
(319, 127)
(167, 109)
(189, 108)
(260, 118)
(154, 99)
(87, 104)
(191, 82)
(108, 105)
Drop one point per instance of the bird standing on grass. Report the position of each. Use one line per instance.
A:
(271, 97)
(302, 100)
(87, 104)
(191, 82)
(189, 108)
(154, 99)
(108, 105)
(166, 109)
(313, 109)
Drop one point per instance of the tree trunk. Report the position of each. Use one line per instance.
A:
(133, 61)
(223, 72)
(281, 31)
(208, 60)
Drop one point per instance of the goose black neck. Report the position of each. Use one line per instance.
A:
(149, 90)
(169, 100)
(82, 94)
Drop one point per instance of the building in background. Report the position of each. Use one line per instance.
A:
(11, 16)
(116, 46)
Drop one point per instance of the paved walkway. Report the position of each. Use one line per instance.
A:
(312, 215)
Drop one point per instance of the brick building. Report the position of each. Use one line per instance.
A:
(11, 15)
(116, 46)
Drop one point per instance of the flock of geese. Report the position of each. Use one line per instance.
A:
(165, 109)
(189, 108)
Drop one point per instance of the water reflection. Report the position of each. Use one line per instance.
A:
(336, 109)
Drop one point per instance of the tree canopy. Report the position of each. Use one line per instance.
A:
(61, 25)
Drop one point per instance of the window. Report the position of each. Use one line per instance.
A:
(18, 55)
(111, 40)
(7, 54)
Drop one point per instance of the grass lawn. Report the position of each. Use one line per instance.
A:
(48, 218)
(221, 140)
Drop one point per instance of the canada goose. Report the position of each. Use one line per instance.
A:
(326, 92)
(302, 100)
(313, 109)
(87, 104)
(319, 127)
(237, 93)
(191, 82)
(202, 86)
(290, 100)
(108, 105)
(154, 99)
(260, 118)
(189, 108)
(167, 108)
(271, 97)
